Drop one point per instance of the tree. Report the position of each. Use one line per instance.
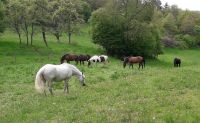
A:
(188, 24)
(170, 25)
(68, 13)
(56, 23)
(2, 27)
(14, 16)
(43, 17)
(96, 4)
(125, 28)
(86, 11)
(25, 18)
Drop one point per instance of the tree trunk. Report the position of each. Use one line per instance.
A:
(32, 33)
(69, 29)
(19, 35)
(18, 32)
(69, 37)
(44, 36)
(26, 32)
(57, 35)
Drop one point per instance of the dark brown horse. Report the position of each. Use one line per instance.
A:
(132, 60)
(82, 58)
(177, 62)
(68, 58)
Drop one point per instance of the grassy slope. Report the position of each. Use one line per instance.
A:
(159, 93)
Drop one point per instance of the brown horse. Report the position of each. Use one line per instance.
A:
(132, 60)
(68, 58)
(82, 58)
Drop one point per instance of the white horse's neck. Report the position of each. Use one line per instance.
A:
(76, 71)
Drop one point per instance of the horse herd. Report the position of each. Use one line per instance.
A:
(81, 59)
(50, 73)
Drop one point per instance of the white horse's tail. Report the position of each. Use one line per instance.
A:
(40, 81)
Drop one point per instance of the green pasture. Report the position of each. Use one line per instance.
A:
(159, 93)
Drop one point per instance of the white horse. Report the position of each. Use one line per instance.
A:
(95, 59)
(105, 58)
(49, 73)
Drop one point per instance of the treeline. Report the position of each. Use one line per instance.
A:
(122, 27)
(181, 28)
(55, 16)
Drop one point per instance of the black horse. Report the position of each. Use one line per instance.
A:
(82, 58)
(177, 62)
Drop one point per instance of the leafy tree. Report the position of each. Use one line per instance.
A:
(25, 18)
(43, 17)
(14, 16)
(96, 4)
(86, 11)
(68, 13)
(2, 27)
(56, 26)
(170, 25)
(188, 24)
(125, 28)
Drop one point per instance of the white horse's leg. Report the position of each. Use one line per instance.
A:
(96, 63)
(66, 86)
(50, 87)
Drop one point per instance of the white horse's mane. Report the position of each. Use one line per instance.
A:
(76, 70)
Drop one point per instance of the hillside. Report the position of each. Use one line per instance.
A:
(158, 93)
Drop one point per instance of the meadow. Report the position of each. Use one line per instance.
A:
(159, 93)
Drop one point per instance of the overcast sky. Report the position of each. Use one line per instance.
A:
(184, 4)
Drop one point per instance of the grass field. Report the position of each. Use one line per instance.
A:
(158, 94)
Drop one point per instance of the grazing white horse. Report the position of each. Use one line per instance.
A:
(49, 73)
(105, 57)
(95, 59)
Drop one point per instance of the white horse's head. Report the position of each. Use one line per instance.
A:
(82, 79)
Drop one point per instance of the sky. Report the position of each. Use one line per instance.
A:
(193, 5)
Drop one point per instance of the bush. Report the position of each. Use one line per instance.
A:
(169, 42)
(111, 32)
(189, 40)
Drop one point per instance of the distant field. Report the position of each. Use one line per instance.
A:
(159, 93)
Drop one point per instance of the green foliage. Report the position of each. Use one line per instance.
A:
(86, 11)
(188, 25)
(2, 23)
(170, 25)
(190, 40)
(181, 25)
(124, 32)
(96, 4)
(54, 16)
